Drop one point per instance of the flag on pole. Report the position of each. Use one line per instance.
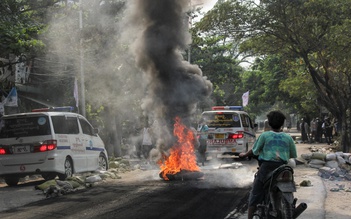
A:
(11, 99)
(245, 98)
(75, 91)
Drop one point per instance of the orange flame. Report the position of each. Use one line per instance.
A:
(182, 154)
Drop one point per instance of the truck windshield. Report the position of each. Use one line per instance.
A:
(24, 126)
(216, 120)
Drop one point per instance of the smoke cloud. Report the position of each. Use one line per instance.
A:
(157, 33)
(174, 86)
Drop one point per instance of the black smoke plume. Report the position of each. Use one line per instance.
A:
(174, 85)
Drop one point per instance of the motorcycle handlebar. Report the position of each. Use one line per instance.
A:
(251, 156)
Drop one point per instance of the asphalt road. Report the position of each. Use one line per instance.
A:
(141, 194)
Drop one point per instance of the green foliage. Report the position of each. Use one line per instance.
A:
(291, 37)
(309, 32)
(214, 49)
(21, 22)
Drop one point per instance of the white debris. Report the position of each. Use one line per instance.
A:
(93, 179)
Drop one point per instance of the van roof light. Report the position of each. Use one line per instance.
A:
(55, 109)
(239, 108)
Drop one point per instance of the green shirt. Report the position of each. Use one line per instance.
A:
(203, 131)
(274, 146)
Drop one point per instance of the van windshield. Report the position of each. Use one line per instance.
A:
(216, 119)
(24, 126)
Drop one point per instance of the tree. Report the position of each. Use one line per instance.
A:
(21, 22)
(215, 47)
(263, 81)
(216, 52)
(21, 25)
(313, 32)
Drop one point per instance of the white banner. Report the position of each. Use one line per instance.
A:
(245, 98)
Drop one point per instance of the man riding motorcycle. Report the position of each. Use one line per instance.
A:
(273, 148)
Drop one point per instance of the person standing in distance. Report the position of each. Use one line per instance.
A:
(273, 148)
(203, 132)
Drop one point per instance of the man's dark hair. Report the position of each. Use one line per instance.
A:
(276, 119)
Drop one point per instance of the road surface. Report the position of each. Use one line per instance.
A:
(142, 194)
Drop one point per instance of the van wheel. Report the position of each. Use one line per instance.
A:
(11, 180)
(103, 165)
(49, 176)
(68, 169)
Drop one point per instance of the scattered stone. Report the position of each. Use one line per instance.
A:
(318, 156)
(300, 160)
(340, 160)
(331, 165)
(341, 186)
(306, 156)
(52, 191)
(331, 157)
(64, 184)
(93, 179)
(347, 176)
(316, 163)
(306, 183)
(55, 188)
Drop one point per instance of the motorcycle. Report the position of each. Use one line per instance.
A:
(279, 201)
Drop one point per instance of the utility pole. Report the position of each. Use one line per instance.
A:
(81, 49)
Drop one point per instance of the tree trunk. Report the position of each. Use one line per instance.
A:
(117, 133)
(347, 142)
(113, 144)
(345, 133)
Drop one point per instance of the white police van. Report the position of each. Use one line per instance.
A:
(50, 143)
(231, 131)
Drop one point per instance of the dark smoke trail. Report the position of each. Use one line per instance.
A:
(174, 86)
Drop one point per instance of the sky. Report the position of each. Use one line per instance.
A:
(205, 4)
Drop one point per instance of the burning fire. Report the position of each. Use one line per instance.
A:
(182, 154)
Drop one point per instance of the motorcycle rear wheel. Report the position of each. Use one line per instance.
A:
(284, 208)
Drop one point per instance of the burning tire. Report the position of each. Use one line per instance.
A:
(183, 175)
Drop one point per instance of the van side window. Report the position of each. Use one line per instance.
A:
(65, 125)
(86, 127)
(246, 120)
(250, 122)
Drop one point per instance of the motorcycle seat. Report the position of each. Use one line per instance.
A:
(276, 172)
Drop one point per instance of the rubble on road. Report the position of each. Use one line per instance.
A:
(56, 187)
(332, 165)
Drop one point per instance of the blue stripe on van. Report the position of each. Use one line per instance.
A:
(63, 147)
(94, 149)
